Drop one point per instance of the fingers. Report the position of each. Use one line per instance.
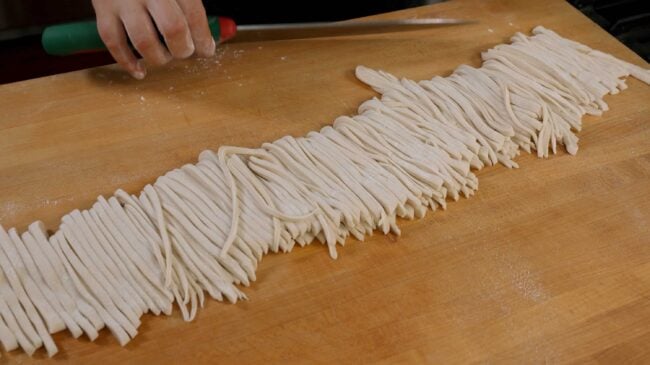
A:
(182, 23)
(172, 24)
(144, 37)
(198, 23)
(112, 33)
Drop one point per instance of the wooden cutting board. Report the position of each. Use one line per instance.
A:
(549, 263)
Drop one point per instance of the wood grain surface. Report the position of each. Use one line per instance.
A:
(549, 263)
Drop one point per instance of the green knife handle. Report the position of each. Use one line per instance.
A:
(69, 38)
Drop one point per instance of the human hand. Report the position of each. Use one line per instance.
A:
(182, 23)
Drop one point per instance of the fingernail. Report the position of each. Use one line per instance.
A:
(139, 72)
(212, 48)
(138, 75)
(189, 48)
(207, 50)
(167, 58)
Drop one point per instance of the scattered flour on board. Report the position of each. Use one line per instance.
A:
(55, 202)
(503, 271)
(124, 177)
(207, 63)
(9, 209)
(514, 272)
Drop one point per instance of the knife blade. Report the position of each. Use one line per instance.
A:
(267, 32)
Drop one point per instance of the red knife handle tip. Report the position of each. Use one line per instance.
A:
(228, 29)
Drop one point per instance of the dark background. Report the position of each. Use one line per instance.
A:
(22, 21)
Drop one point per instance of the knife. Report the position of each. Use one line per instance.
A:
(80, 37)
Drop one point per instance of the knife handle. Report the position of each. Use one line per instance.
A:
(79, 37)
